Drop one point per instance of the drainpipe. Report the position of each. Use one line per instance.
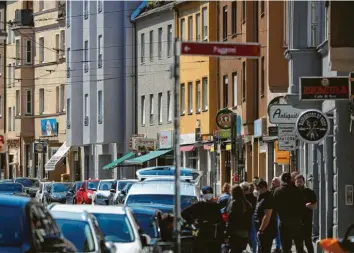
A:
(135, 78)
(3, 157)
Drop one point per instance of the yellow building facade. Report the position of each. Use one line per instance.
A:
(196, 21)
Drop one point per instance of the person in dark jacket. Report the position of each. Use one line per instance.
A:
(206, 214)
(289, 204)
(224, 197)
(276, 184)
(240, 220)
(248, 191)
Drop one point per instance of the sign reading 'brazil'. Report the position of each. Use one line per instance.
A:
(283, 114)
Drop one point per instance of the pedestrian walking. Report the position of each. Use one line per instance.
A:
(265, 218)
(240, 219)
(293, 176)
(248, 191)
(224, 199)
(206, 216)
(276, 184)
(289, 204)
(310, 201)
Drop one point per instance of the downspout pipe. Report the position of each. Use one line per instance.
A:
(4, 113)
(135, 71)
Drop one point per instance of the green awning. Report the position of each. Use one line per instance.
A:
(148, 157)
(115, 163)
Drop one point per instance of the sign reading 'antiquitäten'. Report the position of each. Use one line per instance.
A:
(322, 88)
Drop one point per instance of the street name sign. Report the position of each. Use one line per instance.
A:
(244, 50)
(287, 145)
(286, 130)
(283, 114)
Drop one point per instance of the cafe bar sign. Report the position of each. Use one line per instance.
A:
(324, 88)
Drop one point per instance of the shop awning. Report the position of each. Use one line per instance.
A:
(187, 148)
(148, 157)
(208, 147)
(57, 157)
(115, 163)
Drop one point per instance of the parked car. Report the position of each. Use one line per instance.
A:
(71, 194)
(100, 197)
(159, 193)
(41, 195)
(124, 192)
(57, 193)
(117, 224)
(27, 227)
(86, 191)
(31, 184)
(192, 175)
(81, 228)
(116, 188)
(13, 189)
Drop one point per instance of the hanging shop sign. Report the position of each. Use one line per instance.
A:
(143, 144)
(283, 114)
(40, 147)
(224, 118)
(273, 131)
(165, 140)
(49, 127)
(322, 88)
(281, 157)
(312, 126)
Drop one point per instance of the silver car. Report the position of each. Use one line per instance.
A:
(116, 188)
(101, 195)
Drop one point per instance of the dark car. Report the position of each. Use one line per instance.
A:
(124, 192)
(31, 185)
(27, 227)
(71, 195)
(57, 193)
(13, 189)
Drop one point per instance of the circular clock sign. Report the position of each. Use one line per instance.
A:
(224, 119)
(312, 126)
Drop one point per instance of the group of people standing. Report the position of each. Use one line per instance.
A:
(254, 214)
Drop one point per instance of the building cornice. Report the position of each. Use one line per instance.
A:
(288, 54)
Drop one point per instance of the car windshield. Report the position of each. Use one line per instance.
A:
(78, 233)
(60, 188)
(122, 184)
(78, 185)
(26, 182)
(160, 199)
(105, 185)
(147, 224)
(92, 185)
(11, 226)
(11, 187)
(115, 227)
(169, 172)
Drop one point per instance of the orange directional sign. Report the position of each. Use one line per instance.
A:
(244, 50)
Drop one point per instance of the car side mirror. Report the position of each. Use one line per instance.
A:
(144, 240)
(112, 190)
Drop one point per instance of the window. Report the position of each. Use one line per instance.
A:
(18, 53)
(159, 106)
(197, 26)
(159, 43)
(9, 80)
(41, 5)
(243, 11)
(205, 23)
(28, 101)
(2, 20)
(68, 113)
(142, 116)
(182, 97)
(13, 75)
(262, 76)
(57, 95)
(314, 24)
(169, 106)
(243, 81)
(205, 93)
(100, 107)
(234, 89)
(85, 9)
(100, 51)
(225, 91)
(182, 29)
(224, 17)
(262, 7)
(41, 101)
(68, 71)
(169, 40)
(151, 45)
(99, 6)
(86, 106)
(326, 20)
(142, 47)
(190, 28)
(62, 43)
(234, 17)
(68, 13)
(9, 122)
(57, 47)
(18, 102)
(62, 97)
(86, 56)
(151, 108)
(13, 119)
(9, 31)
(190, 97)
(198, 96)
(41, 50)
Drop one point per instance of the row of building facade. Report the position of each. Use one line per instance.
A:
(87, 91)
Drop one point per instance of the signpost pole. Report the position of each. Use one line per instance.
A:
(177, 153)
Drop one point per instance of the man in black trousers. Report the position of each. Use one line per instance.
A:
(289, 204)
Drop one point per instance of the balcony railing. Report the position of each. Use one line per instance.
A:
(86, 120)
(100, 61)
(23, 18)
